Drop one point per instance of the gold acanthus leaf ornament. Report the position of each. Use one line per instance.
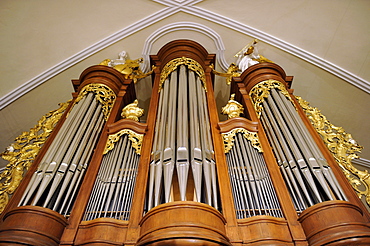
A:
(233, 108)
(22, 153)
(103, 94)
(135, 138)
(262, 90)
(229, 138)
(342, 146)
(232, 72)
(129, 68)
(190, 63)
(132, 111)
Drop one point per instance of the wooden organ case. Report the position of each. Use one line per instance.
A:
(184, 177)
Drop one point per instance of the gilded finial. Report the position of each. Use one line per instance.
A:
(233, 108)
(132, 111)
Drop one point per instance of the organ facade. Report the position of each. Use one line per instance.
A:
(264, 176)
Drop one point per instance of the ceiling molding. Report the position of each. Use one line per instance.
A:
(349, 77)
(186, 6)
(189, 26)
(89, 51)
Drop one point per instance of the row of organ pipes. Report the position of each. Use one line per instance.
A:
(182, 157)
(253, 191)
(305, 170)
(55, 183)
(180, 160)
(113, 189)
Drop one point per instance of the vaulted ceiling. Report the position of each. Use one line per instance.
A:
(323, 44)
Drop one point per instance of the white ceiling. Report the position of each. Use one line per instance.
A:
(323, 44)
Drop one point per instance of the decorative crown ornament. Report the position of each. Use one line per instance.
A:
(132, 111)
(233, 108)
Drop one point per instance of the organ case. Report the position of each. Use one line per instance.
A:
(183, 177)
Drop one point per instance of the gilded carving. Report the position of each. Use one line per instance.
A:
(190, 63)
(229, 138)
(262, 90)
(129, 68)
(22, 153)
(342, 146)
(233, 108)
(232, 71)
(132, 111)
(135, 138)
(103, 94)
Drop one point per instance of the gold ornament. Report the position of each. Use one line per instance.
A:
(229, 138)
(342, 146)
(232, 71)
(103, 94)
(132, 111)
(233, 108)
(262, 90)
(190, 63)
(135, 138)
(129, 68)
(22, 153)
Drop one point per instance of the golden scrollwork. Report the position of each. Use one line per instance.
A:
(190, 63)
(135, 138)
(342, 146)
(103, 94)
(232, 72)
(129, 68)
(233, 108)
(22, 153)
(229, 138)
(132, 111)
(262, 90)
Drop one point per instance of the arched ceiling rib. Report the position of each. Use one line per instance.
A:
(188, 7)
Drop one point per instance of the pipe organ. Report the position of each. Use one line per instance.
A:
(183, 177)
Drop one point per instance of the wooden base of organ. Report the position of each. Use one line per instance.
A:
(187, 222)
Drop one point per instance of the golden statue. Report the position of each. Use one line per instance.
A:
(130, 68)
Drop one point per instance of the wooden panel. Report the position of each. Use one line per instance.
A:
(335, 223)
(183, 223)
(31, 225)
(265, 230)
(102, 231)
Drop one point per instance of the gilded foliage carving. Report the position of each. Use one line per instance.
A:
(103, 94)
(190, 63)
(23, 151)
(135, 138)
(262, 90)
(229, 138)
(343, 147)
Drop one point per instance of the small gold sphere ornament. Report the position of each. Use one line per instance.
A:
(233, 108)
(132, 111)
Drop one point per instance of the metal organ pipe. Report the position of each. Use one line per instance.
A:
(303, 166)
(56, 181)
(252, 187)
(182, 144)
(113, 189)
